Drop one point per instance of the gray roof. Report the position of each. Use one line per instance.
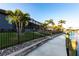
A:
(34, 21)
(3, 11)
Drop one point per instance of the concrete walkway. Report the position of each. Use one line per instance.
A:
(54, 47)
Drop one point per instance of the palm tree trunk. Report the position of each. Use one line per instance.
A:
(21, 27)
(19, 33)
(17, 28)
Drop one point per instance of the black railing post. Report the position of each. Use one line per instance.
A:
(33, 31)
(1, 40)
(18, 36)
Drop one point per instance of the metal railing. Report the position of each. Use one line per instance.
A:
(10, 38)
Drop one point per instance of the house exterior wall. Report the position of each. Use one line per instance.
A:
(32, 27)
(4, 23)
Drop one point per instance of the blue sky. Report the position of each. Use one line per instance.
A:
(55, 11)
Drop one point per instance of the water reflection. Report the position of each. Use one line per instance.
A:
(77, 44)
(74, 37)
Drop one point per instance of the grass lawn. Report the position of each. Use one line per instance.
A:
(11, 38)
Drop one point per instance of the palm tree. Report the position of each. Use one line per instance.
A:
(50, 21)
(61, 22)
(45, 25)
(18, 18)
(56, 28)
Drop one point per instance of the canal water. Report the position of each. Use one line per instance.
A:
(75, 35)
(78, 46)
